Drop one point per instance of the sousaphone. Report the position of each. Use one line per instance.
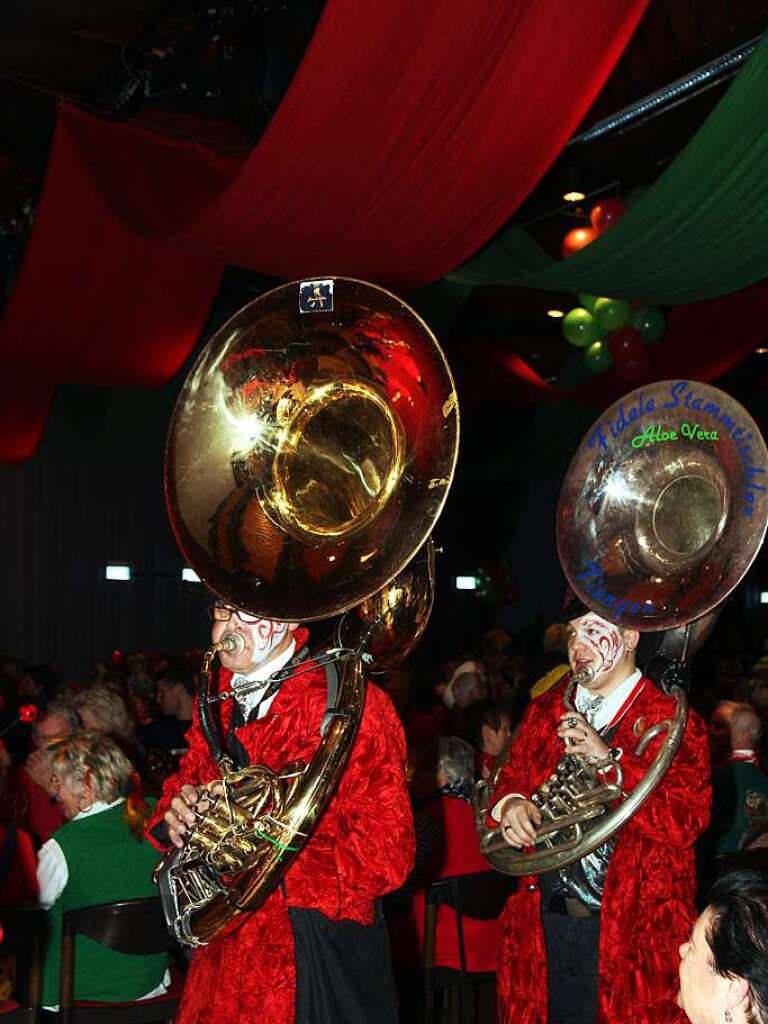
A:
(309, 456)
(662, 512)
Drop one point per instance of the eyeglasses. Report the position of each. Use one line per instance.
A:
(224, 612)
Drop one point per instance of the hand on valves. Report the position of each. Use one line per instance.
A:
(186, 806)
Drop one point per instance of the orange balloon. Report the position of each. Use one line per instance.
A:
(577, 239)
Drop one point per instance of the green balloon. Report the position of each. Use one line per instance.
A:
(581, 328)
(597, 357)
(612, 313)
(588, 301)
(650, 323)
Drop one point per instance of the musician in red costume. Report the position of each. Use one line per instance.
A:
(316, 951)
(595, 942)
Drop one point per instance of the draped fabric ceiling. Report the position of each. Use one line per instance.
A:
(700, 233)
(409, 135)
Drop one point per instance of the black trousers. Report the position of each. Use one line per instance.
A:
(343, 970)
(572, 952)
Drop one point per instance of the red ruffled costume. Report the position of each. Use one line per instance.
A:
(648, 902)
(362, 848)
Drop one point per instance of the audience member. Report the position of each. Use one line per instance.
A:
(29, 785)
(724, 964)
(99, 856)
(737, 780)
(552, 664)
(18, 879)
(489, 729)
(448, 820)
(175, 701)
(466, 685)
(103, 710)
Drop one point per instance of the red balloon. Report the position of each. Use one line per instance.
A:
(577, 239)
(625, 343)
(607, 213)
(633, 369)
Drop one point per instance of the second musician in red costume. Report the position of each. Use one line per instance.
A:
(597, 942)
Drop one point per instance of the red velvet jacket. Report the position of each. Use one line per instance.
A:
(362, 848)
(648, 903)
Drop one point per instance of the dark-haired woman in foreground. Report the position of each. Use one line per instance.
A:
(724, 964)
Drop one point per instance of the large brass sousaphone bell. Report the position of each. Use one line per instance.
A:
(662, 512)
(310, 453)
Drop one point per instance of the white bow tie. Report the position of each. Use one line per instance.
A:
(589, 706)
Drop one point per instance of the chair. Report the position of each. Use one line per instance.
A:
(133, 927)
(23, 935)
(480, 895)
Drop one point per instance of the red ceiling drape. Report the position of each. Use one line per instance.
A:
(410, 134)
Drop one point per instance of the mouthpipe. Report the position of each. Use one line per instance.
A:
(230, 643)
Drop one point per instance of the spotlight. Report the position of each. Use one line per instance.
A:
(574, 197)
(555, 313)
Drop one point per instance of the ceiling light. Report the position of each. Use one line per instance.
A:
(763, 350)
(555, 313)
(117, 572)
(574, 197)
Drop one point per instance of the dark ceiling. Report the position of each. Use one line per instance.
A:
(218, 70)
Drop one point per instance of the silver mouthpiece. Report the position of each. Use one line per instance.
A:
(584, 675)
(232, 643)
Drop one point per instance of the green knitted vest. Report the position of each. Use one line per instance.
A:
(105, 864)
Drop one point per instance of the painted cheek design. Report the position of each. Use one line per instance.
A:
(269, 634)
(604, 640)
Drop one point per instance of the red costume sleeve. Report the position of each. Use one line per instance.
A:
(377, 840)
(678, 811)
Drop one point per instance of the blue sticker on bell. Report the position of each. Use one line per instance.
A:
(316, 297)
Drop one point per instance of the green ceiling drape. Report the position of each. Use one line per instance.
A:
(701, 231)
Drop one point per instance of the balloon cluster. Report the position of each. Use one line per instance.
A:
(610, 331)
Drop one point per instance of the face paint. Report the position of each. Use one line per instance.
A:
(266, 637)
(596, 643)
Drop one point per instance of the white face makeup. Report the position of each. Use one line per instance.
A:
(596, 644)
(262, 638)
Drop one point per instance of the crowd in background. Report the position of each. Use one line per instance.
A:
(456, 723)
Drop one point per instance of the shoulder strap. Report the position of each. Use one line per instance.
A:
(331, 709)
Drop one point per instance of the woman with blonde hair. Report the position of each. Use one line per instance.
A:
(99, 856)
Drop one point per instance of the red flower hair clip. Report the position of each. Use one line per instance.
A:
(28, 712)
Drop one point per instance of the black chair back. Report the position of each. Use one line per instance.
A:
(480, 895)
(132, 927)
